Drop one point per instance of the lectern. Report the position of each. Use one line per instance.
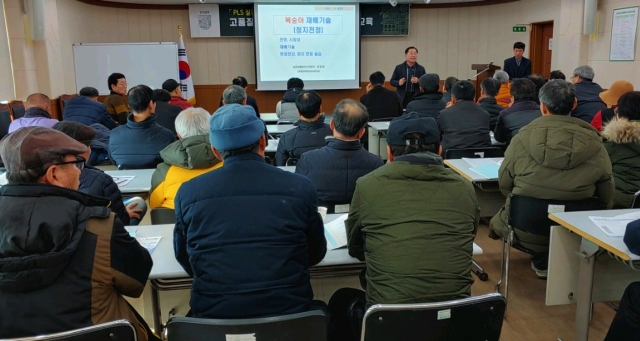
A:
(484, 71)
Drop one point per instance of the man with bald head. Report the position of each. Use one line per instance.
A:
(37, 113)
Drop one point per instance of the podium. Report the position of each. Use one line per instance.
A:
(489, 71)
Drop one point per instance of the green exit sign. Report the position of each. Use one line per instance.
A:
(519, 28)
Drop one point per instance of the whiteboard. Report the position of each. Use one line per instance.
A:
(141, 63)
(623, 34)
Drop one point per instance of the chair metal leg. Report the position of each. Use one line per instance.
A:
(479, 271)
(506, 277)
(504, 242)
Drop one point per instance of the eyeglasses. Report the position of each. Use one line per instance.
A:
(78, 162)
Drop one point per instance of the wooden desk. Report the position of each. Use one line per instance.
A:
(585, 265)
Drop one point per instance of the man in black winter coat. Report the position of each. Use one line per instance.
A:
(588, 94)
(428, 103)
(487, 101)
(523, 110)
(406, 75)
(166, 113)
(380, 101)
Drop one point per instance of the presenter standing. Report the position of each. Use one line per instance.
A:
(517, 66)
(406, 75)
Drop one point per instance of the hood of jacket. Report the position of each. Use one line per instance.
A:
(560, 142)
(291, 94)
(36, 112)
(622, 131)
(423, 95)
(190, 153)
(40, 232)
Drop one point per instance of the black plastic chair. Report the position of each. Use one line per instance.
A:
(5, 120)
(476, 318)
(308, 326)
(17, 109)
(120, 330)
(532, 215)
(474, 153)
(162, 215)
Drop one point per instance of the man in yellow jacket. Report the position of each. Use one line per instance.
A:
(184, 159)
(503, 98)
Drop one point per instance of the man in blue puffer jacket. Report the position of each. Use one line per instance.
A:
(96, 182)
(87, 110)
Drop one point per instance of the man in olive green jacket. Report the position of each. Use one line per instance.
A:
(557, 157)
(413, 222)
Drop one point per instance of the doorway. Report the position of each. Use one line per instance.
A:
(541, 47)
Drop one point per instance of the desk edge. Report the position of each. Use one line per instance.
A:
(446, 162)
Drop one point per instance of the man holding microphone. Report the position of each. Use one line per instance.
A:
(406, 75)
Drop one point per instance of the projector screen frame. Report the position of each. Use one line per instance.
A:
(311, 85)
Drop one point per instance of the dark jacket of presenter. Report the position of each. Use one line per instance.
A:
(406, 75)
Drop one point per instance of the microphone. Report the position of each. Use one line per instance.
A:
(491, 63)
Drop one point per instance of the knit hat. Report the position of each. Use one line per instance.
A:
(34, 147)
(234, 126)
(410, 123)
(77, 131)
(617, 89)
(429, 80)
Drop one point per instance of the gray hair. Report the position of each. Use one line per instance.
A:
(234, 94)
(193, 122)
(558, 96)
(585, 72)
(502, 76)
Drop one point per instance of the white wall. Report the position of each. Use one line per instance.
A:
(6, 85)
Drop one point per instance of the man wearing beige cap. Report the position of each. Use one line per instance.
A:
(65, 259)
(610, 98)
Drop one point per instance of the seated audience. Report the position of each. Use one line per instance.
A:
(115, 103)
(523, 110)
(242, 82)
(610, 98)
(407, 253)
(588, 94)
(428, 103)
(234, 275)
(622, 141)
(310, 132)
(184, 159)
(175, 90)
(235, 94)
(286, 108)
(446, 88)
(93, 181)
(503, 98)
(100, 146)
(166, 113)
(557, 157)
(557, 74)
(86, 109)
(539, 81)
(66, 259)
(138, 143)
(380, 101)
(464, 124)
(37, 113)
(334, 169)
(487, 101)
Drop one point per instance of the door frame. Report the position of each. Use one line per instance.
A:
(535, 45)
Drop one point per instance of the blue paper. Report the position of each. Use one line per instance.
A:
(488, 171)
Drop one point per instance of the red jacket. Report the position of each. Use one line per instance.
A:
(181, 102)
(602, 117)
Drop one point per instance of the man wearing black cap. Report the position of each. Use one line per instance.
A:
(174, 89)
(247, 232)
(65, 258)
(428, 103)
(409, 258)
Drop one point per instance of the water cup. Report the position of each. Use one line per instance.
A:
(323, 213)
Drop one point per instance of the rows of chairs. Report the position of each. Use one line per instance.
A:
(9, 112)
(476, 318)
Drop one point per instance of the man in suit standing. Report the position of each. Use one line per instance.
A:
(518, 66)
(406, 75)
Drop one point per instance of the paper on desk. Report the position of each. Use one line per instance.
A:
(488, 171)
(123, 180)
(614, 226)
(149, 243)
(336, 233)
(478, 162)
(3, 179)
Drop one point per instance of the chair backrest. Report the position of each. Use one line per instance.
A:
(120, 330)
(636, 200)
(163, 215)
(17, 109)
(308, 326)
(63, 101)
(477, 318)
(474, 153)
(5, 120)
(532, 215)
